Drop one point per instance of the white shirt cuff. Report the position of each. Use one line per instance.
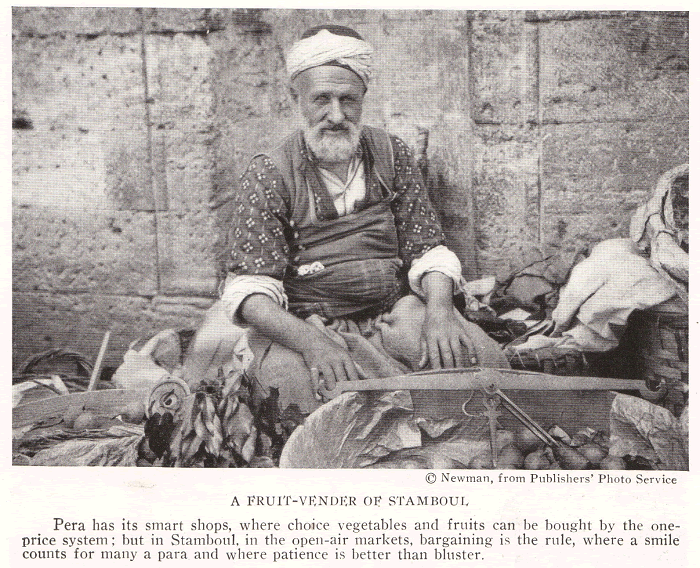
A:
(437, 259)
(238, 288)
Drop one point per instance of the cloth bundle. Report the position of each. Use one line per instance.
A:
(624, 275)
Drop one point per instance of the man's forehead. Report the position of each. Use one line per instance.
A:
(331, 77)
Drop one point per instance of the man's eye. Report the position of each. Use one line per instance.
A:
(322, 99)
(348, 100)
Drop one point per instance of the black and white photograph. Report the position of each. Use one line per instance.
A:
(425, 239)
(283, 278)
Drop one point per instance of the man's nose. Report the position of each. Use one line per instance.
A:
(335, 113)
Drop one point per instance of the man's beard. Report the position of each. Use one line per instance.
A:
(333, 144)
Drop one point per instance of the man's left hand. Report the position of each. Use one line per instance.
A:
(444, 343)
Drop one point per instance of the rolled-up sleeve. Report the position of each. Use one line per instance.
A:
(238, 288)
(438, 259)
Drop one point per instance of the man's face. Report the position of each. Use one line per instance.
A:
(330, 101)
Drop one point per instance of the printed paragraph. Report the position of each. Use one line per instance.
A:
(304, 539)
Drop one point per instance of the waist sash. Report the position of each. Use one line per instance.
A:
(359, 254)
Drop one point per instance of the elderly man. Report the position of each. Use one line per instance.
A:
(330, 231)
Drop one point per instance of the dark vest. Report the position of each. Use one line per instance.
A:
(359, 251)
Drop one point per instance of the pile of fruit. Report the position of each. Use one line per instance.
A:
(587, 449)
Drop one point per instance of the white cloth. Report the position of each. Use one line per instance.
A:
(606, 287)
(346, 194)
(325, 47)
(658, 204)
(437, 259)
(602, 292)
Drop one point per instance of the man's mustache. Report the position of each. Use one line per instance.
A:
(335, 128)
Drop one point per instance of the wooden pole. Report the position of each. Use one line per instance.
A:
(98, 362)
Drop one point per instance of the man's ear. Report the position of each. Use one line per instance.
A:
(294, 94)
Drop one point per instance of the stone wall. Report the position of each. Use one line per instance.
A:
(131, 126)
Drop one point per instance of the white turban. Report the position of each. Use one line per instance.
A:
(326, 47)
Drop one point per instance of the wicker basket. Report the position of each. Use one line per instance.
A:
(660, 355)
(653, 347)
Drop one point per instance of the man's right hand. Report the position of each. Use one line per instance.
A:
(328, 362)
